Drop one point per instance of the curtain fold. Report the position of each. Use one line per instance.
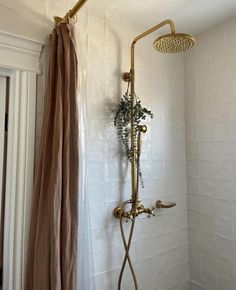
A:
(52, 248)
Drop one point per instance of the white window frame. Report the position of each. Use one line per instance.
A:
(19, 60)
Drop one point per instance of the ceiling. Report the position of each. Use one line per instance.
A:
(193, 16)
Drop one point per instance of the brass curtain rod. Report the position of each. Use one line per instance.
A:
(71, 13)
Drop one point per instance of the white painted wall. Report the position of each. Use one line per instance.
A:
(210, 70)
(31, 18)
(22, 17)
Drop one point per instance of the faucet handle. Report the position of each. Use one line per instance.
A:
(161, 204)
(151, 212)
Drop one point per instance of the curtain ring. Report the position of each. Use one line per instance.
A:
(67, 17)
(75, 18)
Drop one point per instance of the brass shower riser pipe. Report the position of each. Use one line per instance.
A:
(131, 77)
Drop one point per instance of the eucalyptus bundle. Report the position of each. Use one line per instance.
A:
(122, 121)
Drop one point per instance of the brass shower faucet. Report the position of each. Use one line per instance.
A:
(119, 211)
(131, 214)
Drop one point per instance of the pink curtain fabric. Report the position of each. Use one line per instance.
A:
(52, 250)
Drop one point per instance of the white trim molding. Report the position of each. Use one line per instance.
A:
(19, 60)
(3, 92)
(19, 52)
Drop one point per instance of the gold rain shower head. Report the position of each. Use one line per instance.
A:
(174, 42)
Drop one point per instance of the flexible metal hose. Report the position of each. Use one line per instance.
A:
(127, 245)
(127, 256)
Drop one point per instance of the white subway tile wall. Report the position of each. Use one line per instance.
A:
(210, 100)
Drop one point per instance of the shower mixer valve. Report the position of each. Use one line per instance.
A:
(140, 209)
(133, 212)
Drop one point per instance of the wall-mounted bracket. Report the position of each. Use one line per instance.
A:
(57, 19)
(126, 77)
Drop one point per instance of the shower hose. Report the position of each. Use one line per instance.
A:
(125, 243)
(127, 249)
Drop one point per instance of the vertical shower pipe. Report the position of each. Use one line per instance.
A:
(134, 196)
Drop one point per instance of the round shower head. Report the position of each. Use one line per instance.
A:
(174, 42)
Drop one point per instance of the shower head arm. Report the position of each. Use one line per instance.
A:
(154, 28)
(147, 32)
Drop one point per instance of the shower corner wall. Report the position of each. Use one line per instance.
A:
(211, 153)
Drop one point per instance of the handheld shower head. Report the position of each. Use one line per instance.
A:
(174, 42)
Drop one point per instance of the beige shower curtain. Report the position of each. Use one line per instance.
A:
(52, 251)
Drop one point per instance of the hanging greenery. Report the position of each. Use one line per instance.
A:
(122, 121)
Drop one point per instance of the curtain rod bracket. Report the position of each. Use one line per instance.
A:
(57, 19)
